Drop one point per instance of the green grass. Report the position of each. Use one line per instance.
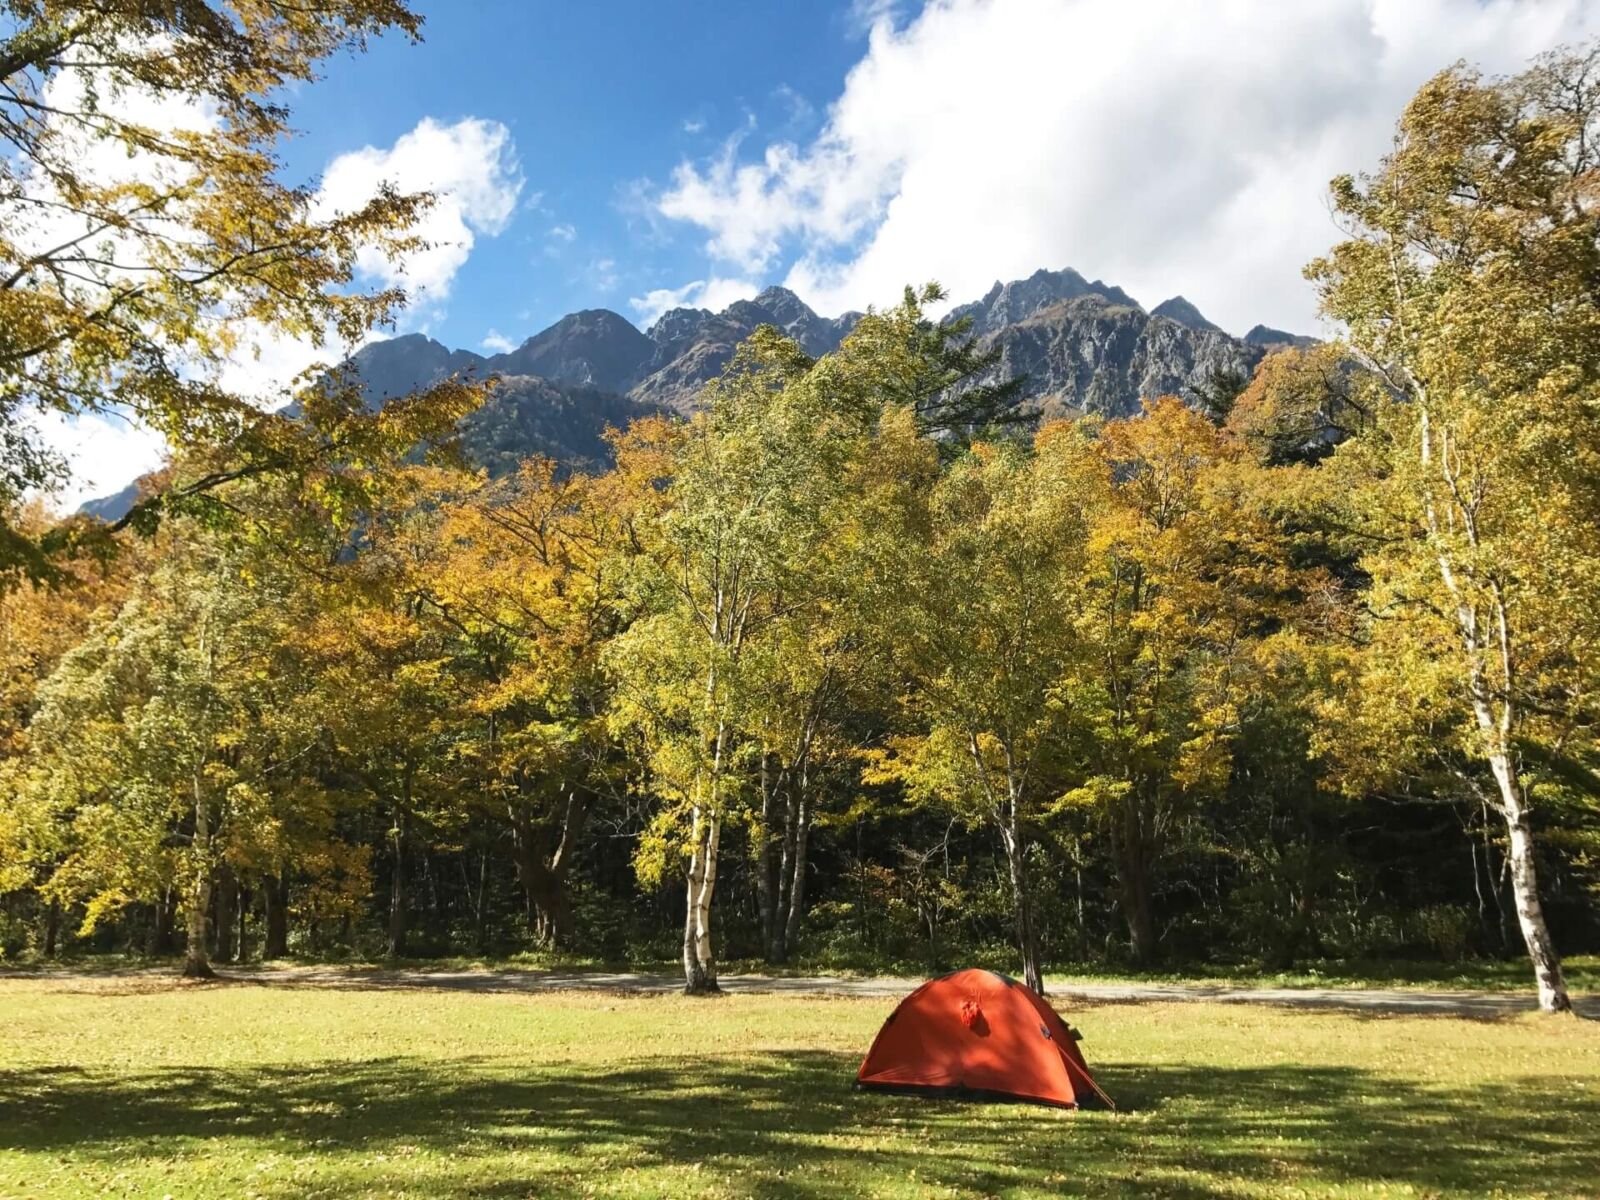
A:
(144, 1087)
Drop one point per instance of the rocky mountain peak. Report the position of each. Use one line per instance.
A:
(675, 323)
(594, 348)
(1010, 303)
(1184, 313)
(1277, 339)
(784, 304)
(398, 366)
(1079, 345)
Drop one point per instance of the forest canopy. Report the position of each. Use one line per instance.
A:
(858, 663)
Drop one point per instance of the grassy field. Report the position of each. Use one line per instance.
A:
(141, 1087)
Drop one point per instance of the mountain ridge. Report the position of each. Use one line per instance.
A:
(1082, 345)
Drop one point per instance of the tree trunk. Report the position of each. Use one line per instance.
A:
(397, 887)
(196, 965)
(480, 906)
(198, 903)
(161, 915)
(226, 891)
(699, 967)
(1133, 871)
(1547, 973)
(275, 899)
(768, 856)
(52, 928)
(243, 907)
(1027, 939)
(543, 874)
(1496, 713)
(796, 891)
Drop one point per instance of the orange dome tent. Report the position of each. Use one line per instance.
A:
(980, 1034)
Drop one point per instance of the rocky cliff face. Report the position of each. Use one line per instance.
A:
(1083, 346)
(593, 348)
(1086, 347)
(1008, 304)
(694, 344)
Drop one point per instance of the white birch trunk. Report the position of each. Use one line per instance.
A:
(1496, 721)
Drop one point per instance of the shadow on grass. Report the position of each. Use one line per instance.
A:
(789, 1125)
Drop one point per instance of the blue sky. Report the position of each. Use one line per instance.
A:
(635, 155)
(602, 101)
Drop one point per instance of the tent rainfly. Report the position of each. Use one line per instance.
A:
(981, 1035)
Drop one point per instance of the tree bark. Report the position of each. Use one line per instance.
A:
(699, 967)
(225, 891)
(480, 905)
(196, 965)
(544, 873)
(1027, 937)
(275, 900)
(161, 917)
(798, 839)
(52, 928)
(243, 907)
(1547, 972)
(769, 855)
(1133, 878)
(1496, 713)
(396, 946)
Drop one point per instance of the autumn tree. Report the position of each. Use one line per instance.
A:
(980, 571)
(936, 369)
(1186, 578)
(147, 235)
(528, 583)
(1302, 402)
(722, 562)
(1469, 284)
(387, 683)
(163, 738)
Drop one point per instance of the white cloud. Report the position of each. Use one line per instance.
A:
(715, 294)
(103, 452)
(565, 232)
(864, 14)
(601, 275)
(472, 168)
(800, 110)
(1163, 145)
(497, 343)
(693, 126)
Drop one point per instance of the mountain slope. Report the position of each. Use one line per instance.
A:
(694, 344)
(593, 348)
(1083, 346)
(1087, 347)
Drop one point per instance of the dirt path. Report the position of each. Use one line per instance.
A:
(1389, 1000)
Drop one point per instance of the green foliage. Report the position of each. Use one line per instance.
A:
(146, 236)
(1306, 676)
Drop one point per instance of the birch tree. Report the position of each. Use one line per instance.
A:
(983, 571)
(1471, 283)
(723, 560)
